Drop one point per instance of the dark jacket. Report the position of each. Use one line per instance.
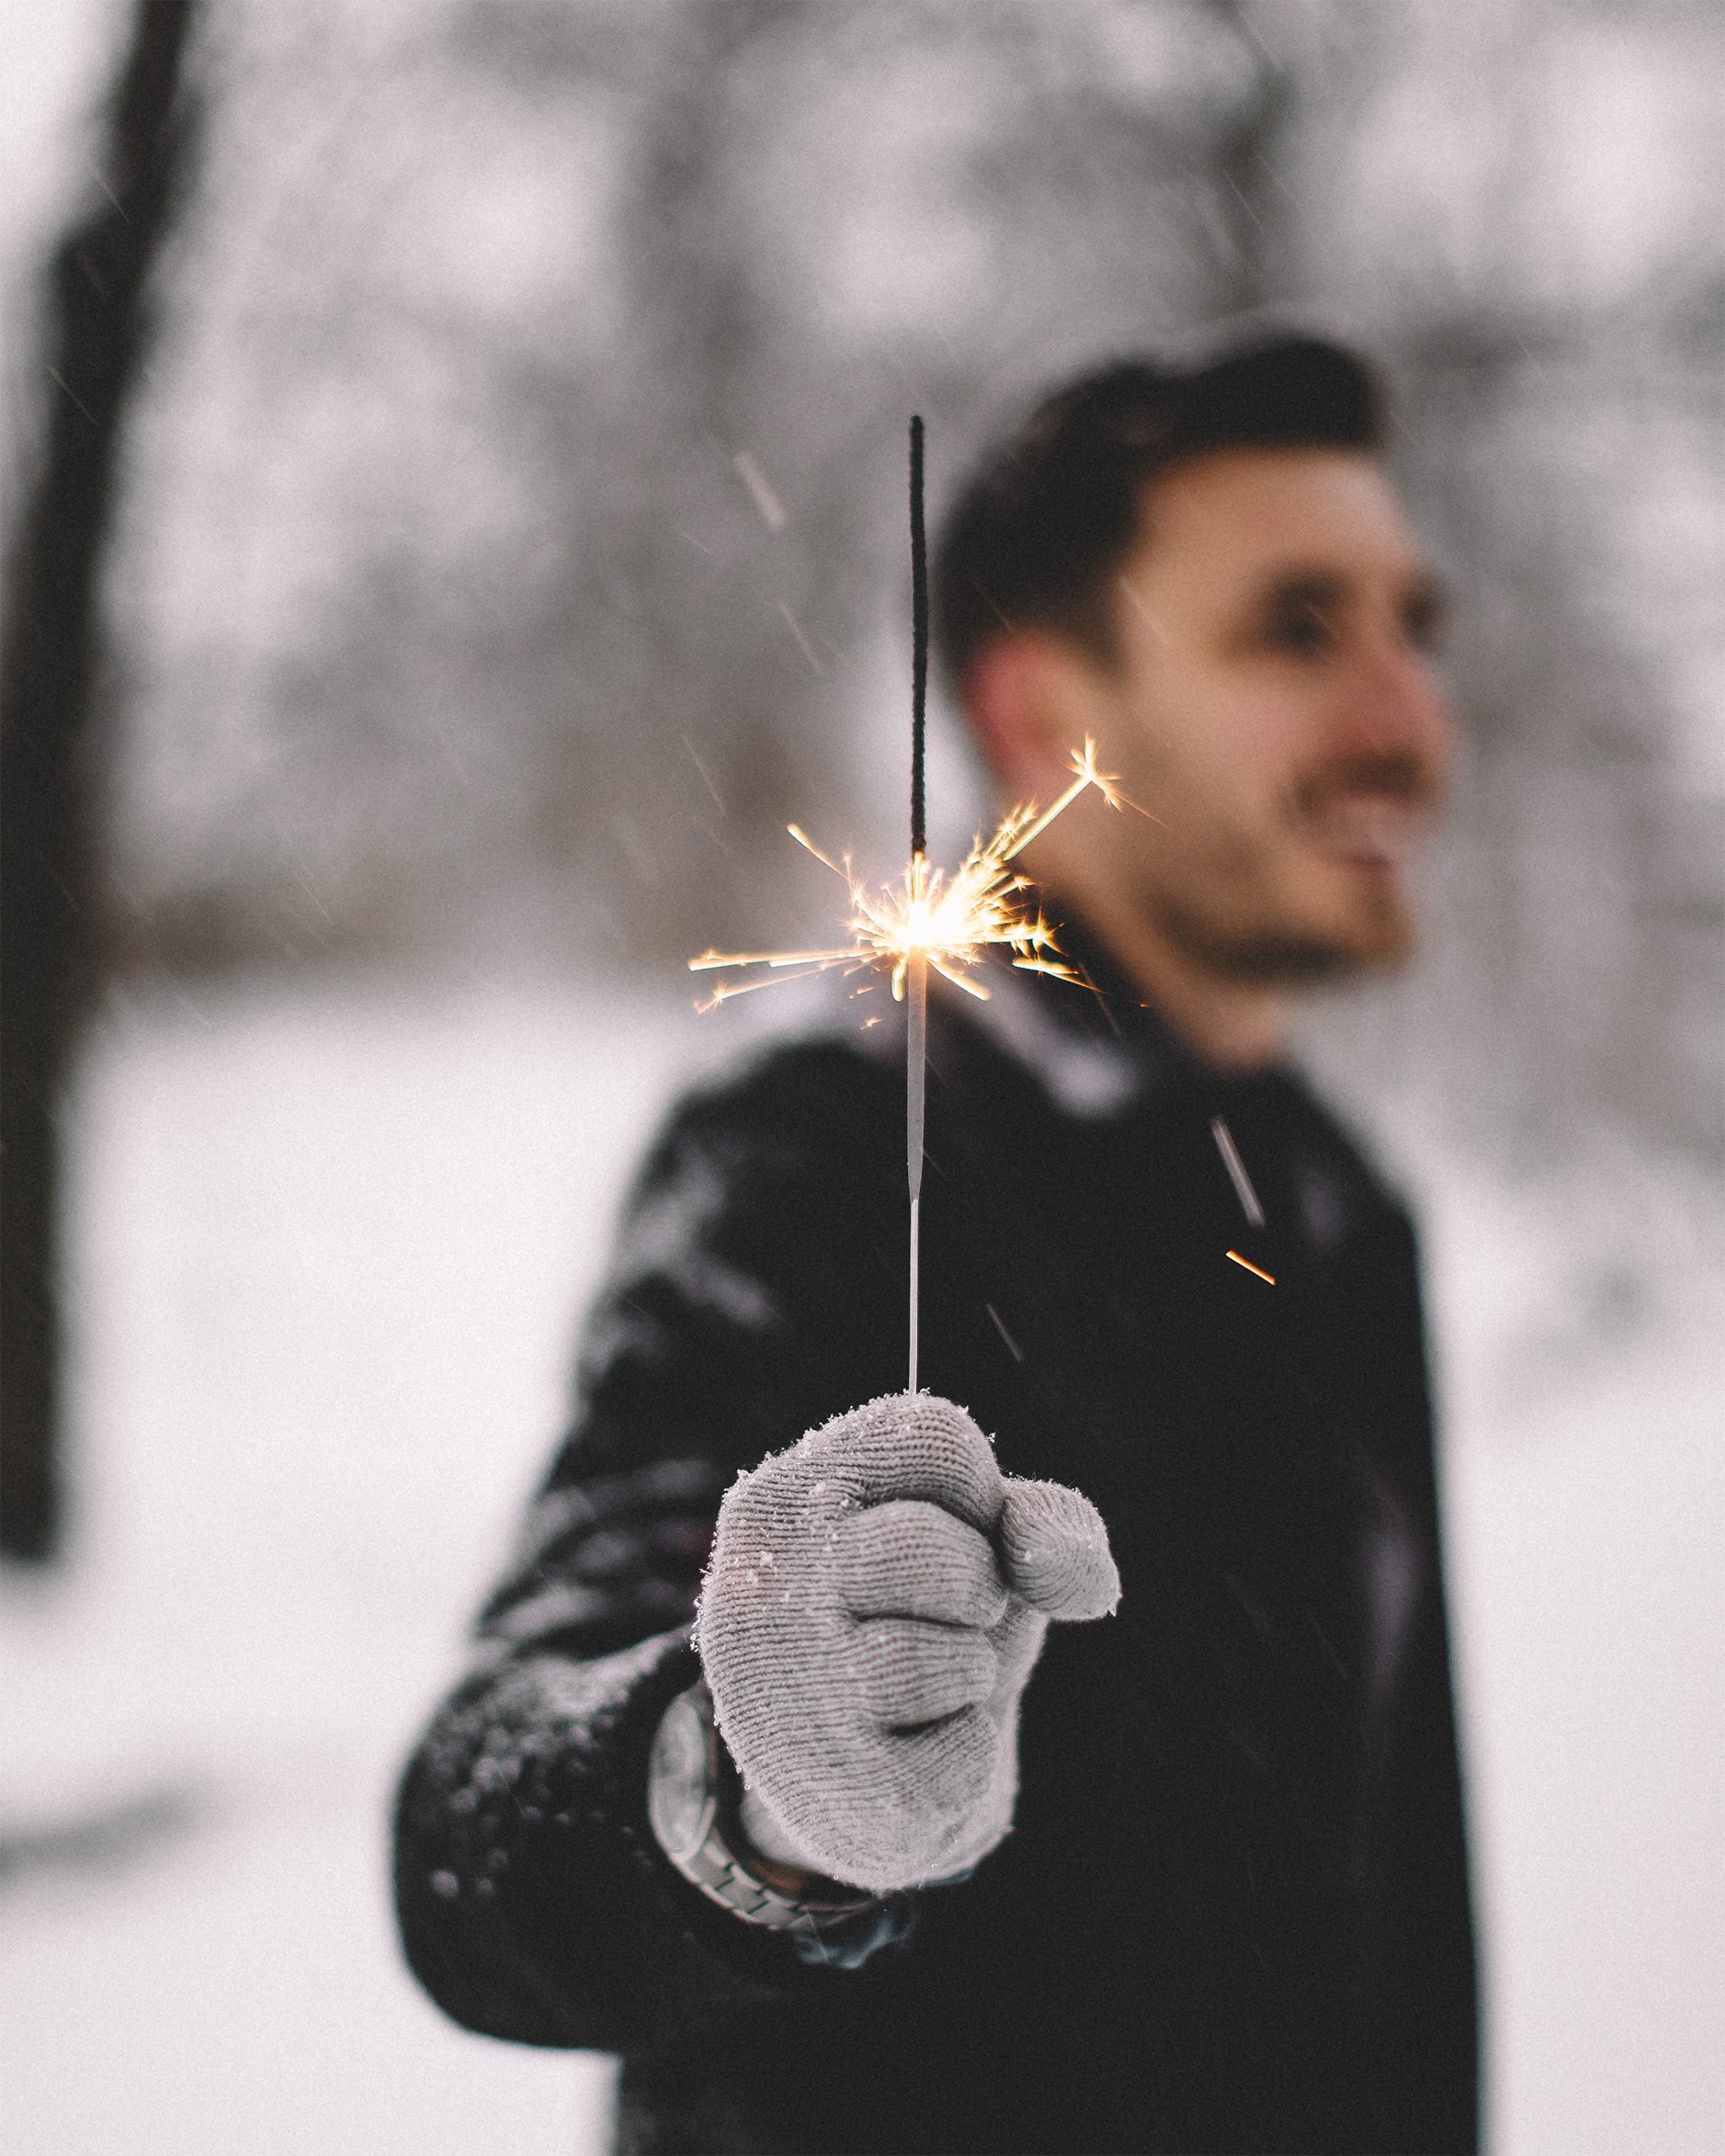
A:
(1234, 1913)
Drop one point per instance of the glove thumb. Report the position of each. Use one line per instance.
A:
(1054, 1552)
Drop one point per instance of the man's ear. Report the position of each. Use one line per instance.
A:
(1030, 699)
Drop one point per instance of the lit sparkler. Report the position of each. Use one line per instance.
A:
(927, 919)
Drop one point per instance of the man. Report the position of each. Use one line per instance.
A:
(1189, 1878)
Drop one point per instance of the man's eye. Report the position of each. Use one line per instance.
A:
(1301, 632)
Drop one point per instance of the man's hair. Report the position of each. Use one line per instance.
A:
(1034, 539)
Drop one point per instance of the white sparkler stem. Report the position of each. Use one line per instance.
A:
(915, 1074)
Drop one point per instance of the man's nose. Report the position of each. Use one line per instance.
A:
(1396, 704)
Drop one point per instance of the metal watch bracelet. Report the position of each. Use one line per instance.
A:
(692, 1795)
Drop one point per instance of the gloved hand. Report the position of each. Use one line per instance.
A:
(876, 1596)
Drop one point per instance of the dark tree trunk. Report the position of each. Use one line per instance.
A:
(50, 900)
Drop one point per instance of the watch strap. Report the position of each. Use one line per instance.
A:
(721, 1874)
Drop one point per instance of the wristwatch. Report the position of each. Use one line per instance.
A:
(693, 1792)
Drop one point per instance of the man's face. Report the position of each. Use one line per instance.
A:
(1275, 707)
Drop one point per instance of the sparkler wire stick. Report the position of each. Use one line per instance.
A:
(929, 919)
(916, 1063)
(917, 971)
(919, 643)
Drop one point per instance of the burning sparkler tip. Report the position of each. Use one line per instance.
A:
(949, 923)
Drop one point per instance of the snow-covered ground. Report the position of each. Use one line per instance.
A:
(331, 1245)
(1578, 1320)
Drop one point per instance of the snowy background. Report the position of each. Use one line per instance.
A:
(511, 540)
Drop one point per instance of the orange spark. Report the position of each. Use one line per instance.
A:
(1251, 1268)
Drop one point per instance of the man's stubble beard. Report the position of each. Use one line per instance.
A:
(1226, 941)
(1271, 955)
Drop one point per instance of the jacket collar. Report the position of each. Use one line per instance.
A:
(1097, 1046)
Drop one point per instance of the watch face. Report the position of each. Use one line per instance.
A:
(680, 1797)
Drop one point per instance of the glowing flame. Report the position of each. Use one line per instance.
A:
(950, 922)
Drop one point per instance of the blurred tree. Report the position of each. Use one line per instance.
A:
(50, 672)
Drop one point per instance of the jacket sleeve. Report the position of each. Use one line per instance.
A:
(754, 1293)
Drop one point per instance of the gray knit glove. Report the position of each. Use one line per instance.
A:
(876, 1599)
